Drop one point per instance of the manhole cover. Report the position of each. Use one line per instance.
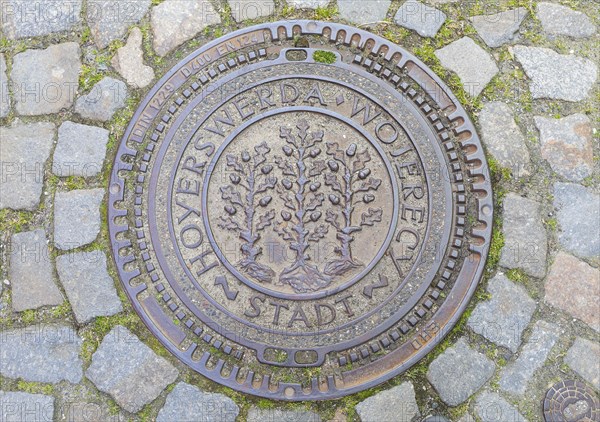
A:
(300, 222)
(571, 401)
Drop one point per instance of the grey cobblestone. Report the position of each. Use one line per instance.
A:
(76, 217)
(89, 288)
(423, 19)
(128, 370)
(557, 76)
(504, 317)
(30, 272)
(189, 403)
(500, 28)
(41, 353)
(473, 65)
(45, 81)
(176, 21)
(459, 372)
(24, 18)
(24, 150)
(109, 19)
(80, 150)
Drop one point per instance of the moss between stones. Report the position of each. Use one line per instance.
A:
(323, 56)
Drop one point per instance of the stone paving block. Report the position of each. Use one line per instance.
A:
(30, 272)
(129, 61)
(4, 94)
(251, 9)
(189, 403)
(421, 18)
(24, 149)
(45, 81)
(398, 404)
(503, 138)
(308, 4)
(567, 145)
(128, 370)
(41, 353)
(80, 150)
(82, 403)
(525, 238)
(101, 103)
(473, 65)
(490, 407)
(363, 12)
(176, 21)
(574, 286)
(562, 20)
(578, 214)
(76, 217)
(556, 76)
(275, 415)
(109, 19)
(466, 418)
(515, 377)
(504, 317)
(16, 406)
(26, 18)
(500, 28)
(91, 291)
(584, 358)
(459, 372)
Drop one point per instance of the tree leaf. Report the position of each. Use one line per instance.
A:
(315, 201)
(286, 133)
(331, 180)
(334, 150)
(269, 183)
(227, 223)
(332, 218)
(315, 137)
(319, 233)
(231, 195)
(371, 217)
(283, 231)
(265, 220)
(261, 151)
(317, 168)
(285, 166)
(232, 161)
(371, 184)
(362, 158)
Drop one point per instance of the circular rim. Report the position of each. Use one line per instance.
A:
(449, 312)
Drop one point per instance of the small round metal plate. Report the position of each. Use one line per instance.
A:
(571, 401)
(296, 229)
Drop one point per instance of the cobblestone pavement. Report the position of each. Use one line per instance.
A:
(73, 71)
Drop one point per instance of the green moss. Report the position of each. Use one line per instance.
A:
(517, 275)
(496, 246)
(323, 56)
(75, 182)
(15, 220)
(35, 387)
(62, 311)
(325, 13)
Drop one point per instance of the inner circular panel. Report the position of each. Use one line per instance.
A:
(300, 202)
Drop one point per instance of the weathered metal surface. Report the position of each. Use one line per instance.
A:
(569, 401)
(296, 229)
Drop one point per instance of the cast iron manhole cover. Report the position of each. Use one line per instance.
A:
(571, 401)
(300, 222)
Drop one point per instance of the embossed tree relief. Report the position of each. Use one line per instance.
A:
(247, 197)
(350, 180)
(299, 191)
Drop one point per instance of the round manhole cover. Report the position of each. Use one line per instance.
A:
(571, 401)
(300, 210)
